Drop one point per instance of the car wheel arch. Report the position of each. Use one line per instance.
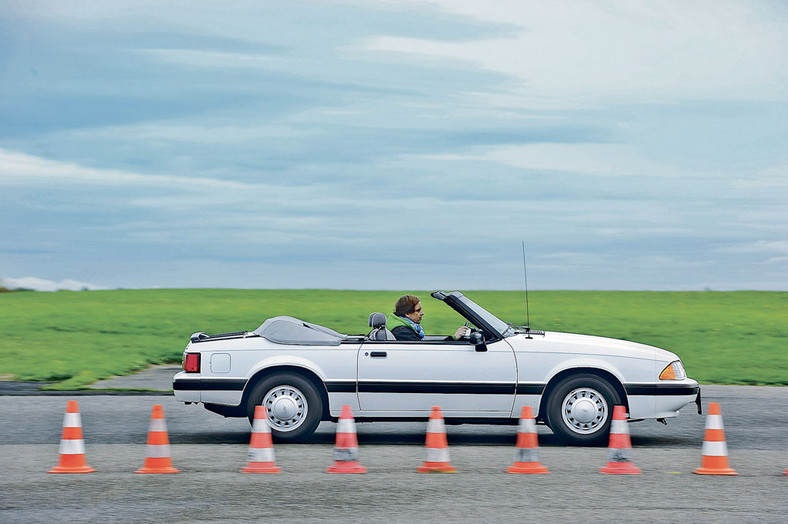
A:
(303, 372)
(561, 376)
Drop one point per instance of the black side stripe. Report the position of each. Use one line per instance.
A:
(341, 387)
(209, 384)
(660, 390)
(530, 389)
(455, 388)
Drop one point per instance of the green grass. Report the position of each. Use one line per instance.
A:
(76, 338)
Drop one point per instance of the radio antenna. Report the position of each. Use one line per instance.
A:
(527, 309)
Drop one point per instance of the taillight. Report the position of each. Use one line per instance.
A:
(191, 363)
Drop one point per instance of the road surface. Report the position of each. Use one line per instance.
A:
(210, 450)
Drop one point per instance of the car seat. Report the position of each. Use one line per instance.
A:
(377, 321)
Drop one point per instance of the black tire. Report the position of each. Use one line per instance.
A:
(580, 409)
(294, 405)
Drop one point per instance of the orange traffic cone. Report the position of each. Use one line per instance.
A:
(436, 458)
(618, 460)
(346, 448)
(158, 458)
(526, 458)
(261, 448)
(72, 446)
(714, 459)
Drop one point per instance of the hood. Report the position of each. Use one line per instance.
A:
(556, 342)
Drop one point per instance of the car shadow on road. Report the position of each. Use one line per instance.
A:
(382, 437)
(666, 441)
(211, 437)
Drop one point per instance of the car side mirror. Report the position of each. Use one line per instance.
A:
(477, 339)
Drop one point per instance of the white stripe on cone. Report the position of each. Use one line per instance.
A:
(436, 455)
(261, 455)
(346, 425)
(261, 426)
(436, 425)
(714, 449)
(527, 425)
(157, 424)
(72, 420)
(714, 422)
(158, 450)
(526, 455)
(72, 447)
(619, 427)
(345, 454)
(619, 455)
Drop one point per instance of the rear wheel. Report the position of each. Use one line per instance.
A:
(580, 409)
(293, 404)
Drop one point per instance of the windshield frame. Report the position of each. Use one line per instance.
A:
(493, 321)
(493, 327)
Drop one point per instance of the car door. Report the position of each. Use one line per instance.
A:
(403, 378)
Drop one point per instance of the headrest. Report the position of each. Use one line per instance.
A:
(377, 320)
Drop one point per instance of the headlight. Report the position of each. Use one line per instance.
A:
(674, 371)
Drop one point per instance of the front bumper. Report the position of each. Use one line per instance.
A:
(666, 399)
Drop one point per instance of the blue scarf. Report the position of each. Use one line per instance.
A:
(416, 327)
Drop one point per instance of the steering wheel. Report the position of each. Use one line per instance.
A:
(471, 331)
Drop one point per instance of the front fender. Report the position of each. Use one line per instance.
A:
(576, 366)
(583, 363)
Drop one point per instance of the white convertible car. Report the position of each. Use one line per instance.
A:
(303, 373)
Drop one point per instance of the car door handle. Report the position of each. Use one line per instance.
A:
(378, 354)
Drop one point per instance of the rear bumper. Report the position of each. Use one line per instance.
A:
(186, 387)
(194, 387)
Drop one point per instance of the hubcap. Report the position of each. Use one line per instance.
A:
(584, 410)
(287, 407)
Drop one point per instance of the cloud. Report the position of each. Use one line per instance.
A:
(393, 144)
(20, 169)
(584, 54)
(777, 249)
(588, 159)
(40, 284)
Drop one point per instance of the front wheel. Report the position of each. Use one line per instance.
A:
(293, 404)
(580, 409)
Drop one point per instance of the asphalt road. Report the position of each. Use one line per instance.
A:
(210, 450)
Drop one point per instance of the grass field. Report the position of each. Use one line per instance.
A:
(76, 338)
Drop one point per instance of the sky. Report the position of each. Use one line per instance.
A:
(405, 145)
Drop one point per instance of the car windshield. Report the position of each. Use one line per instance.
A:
(496, 323)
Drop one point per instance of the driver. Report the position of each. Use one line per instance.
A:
(405, 322)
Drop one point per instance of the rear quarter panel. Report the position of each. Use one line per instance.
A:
(248, 358)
